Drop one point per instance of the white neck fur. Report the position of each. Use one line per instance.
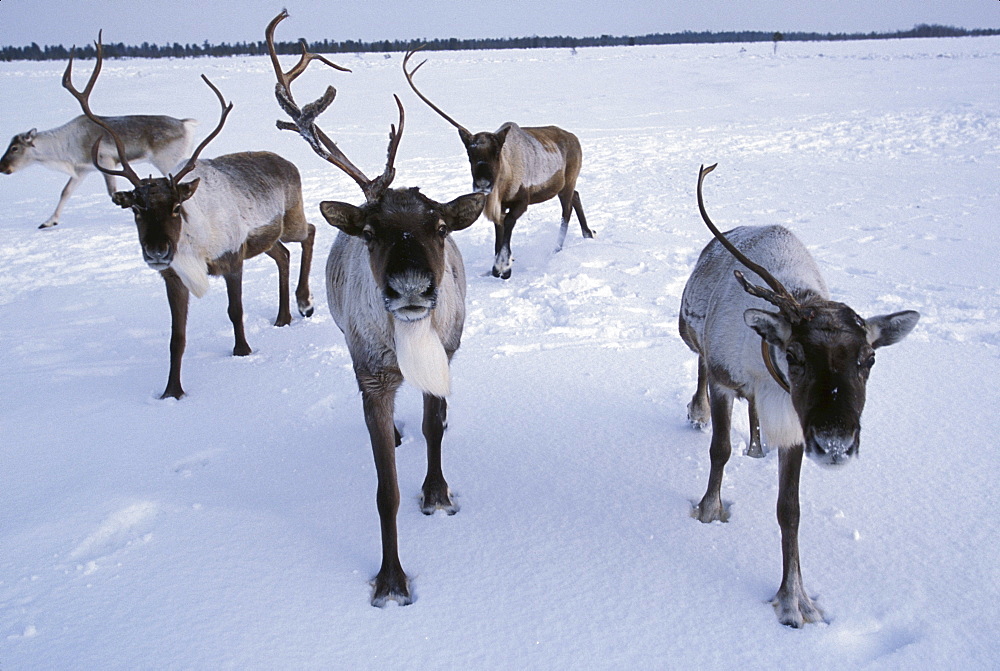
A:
(421, 357)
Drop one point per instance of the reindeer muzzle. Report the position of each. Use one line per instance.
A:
(832, 448)
(410, 296)
(158, 259)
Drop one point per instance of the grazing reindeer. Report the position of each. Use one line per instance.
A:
(396, 287)
(807, 375)
(161, 140)
(518, 167)
(247, 203)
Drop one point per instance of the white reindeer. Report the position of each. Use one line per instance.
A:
(161, 140)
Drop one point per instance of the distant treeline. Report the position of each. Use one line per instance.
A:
(146, 50)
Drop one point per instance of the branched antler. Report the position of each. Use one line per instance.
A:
(409, 78)
(778, 295)
(83, 97)
(226, 109)
(303, 120)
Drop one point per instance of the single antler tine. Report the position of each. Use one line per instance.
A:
(269, 38)
(395, 135)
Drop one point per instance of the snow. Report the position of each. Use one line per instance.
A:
(236, 528)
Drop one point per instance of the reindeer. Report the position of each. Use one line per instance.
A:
(395, 284)
(807, 376)
(517, 167)
(233, 208)
(161, 140)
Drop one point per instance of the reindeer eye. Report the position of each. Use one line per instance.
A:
(177, 210)
(368, 235)
(443, 231)
(795, 355)
(867, 361)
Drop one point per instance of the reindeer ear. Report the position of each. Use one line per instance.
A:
(463, 211)
(502, 135)
(770, 326)
(123, 199)
(886, 330)
(466, 136)
(344, 216)
(29, 137)
(187, 189)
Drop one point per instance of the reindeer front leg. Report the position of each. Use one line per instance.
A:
(378, 393)
(436, 495)
(710, 509)
(756, 448)
(791, 603)
(177, 298)
(74, 181)
(503, 260)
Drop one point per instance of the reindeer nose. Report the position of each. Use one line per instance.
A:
(831, 447)
(157, 258)
(410, 295)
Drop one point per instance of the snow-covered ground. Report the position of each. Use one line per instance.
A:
(237, 527)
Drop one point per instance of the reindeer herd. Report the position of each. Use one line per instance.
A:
(395, 285)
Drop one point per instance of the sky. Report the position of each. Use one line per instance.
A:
(69, 22)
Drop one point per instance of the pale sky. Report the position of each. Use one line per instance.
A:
(69, 22)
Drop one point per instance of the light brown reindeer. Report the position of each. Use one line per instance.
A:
(804, 367)
(395, 283)
(517, 167)
(233, 208)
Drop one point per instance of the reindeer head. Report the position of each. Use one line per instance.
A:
(16, 156)
(405, 231)
(483, 148)
(155, 201)
(484, 156)
(829, 351)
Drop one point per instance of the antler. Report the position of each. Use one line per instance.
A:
(226, 109)
(304, 119)
(84, 99)
(779, 295)
(409, 78)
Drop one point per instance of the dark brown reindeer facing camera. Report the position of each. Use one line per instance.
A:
(234, 207)
(517, 167)
(805, 367)
(396, 287)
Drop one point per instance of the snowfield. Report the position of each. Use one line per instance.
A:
(236, 528)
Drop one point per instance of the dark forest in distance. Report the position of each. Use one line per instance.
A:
(145, 50)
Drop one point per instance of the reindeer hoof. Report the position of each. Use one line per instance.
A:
(393, 587)
(796, 610)
(710, 511)
(307, 311)
(48, 224)
(430, 503)
(755, 450)
(177, 393)
(242, 350)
